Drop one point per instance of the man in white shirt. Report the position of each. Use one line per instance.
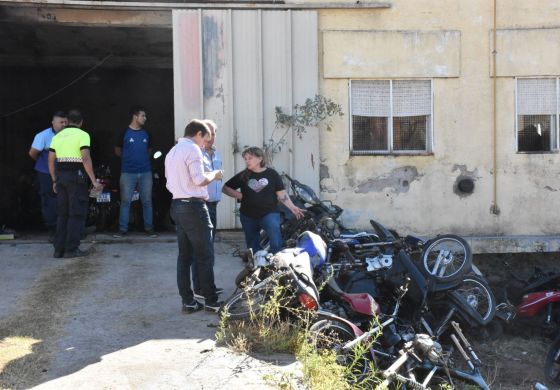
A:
(188, 182)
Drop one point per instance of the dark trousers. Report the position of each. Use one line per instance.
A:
(72, 202)
(48, 199)
(194, 237)
(212, 212)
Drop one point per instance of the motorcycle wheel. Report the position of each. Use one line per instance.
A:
(477, 293)
(330, 335)
(446, 258)
(552, 363)
(250, 302)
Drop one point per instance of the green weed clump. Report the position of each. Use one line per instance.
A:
(274, 327)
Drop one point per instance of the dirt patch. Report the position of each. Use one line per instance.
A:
(31, 332)
(513, 355)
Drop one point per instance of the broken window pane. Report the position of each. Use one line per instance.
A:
(534, 133)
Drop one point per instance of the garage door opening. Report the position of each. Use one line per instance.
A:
(101, 69)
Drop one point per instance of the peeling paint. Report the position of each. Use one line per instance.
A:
(399, 180)
(349, 60)
(323, 172)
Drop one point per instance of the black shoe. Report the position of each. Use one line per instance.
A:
(192, 307)
(77, 253)
(151, 233)
(58, 254)
(214, 307)
(120, 234)
(200, 297)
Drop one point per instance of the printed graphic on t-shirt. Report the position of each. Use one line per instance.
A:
(258, 185)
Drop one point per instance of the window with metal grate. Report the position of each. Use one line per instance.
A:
(537, 114)
(391, 116)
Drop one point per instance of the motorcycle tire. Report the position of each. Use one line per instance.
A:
(447, 258)
(330, 335)
(478, 295)
(250, 302)
(552, 362)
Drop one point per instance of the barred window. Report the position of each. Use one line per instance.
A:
(537, 114)
(391, 116)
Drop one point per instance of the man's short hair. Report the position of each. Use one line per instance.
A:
(60, 114)
(212, 126)
(75, 117)
(135, 110)
(195, 126)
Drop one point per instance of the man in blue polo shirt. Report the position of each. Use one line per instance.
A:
(40, 153)
(134, 147)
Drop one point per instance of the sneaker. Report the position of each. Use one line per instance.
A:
(58, 254)
(214, 307)
(192, 307)
(151, 233)
(199, 296)
(77, 253)
(120, 234)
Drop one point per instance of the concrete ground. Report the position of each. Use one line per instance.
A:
(112, 320)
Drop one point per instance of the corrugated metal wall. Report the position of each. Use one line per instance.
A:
(235, 67)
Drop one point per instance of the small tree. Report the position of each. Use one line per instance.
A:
(313, 113)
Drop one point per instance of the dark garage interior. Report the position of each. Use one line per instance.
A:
(98, 65)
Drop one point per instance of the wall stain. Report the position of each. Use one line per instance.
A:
(550, 188)
(212, 63)
(323, 172)
(399, 180)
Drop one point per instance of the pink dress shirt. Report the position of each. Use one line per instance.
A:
(184, 170)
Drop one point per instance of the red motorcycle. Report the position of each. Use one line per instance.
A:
(532, 303)
(537, 306)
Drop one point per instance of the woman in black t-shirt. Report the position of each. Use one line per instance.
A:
(260, 190)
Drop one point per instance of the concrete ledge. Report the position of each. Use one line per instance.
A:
(514, 244)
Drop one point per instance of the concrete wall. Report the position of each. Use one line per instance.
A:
(236, 67)
(417, 194)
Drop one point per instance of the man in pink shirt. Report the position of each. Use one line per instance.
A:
(188, 182)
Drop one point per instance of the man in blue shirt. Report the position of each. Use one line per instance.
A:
(211, 161)
(40, 153)
(134, 147)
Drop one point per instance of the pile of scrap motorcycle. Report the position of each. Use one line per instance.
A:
(396, 305)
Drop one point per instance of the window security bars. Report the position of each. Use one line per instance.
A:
(391, 116)
(537, 102)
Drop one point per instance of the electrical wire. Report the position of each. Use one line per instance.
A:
(58, 90)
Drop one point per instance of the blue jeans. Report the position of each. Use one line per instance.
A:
(128, 184)
(194, 237)
(270, 223)
(48, 199)
(212, 210)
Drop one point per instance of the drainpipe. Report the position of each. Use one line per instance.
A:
(494, 209)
